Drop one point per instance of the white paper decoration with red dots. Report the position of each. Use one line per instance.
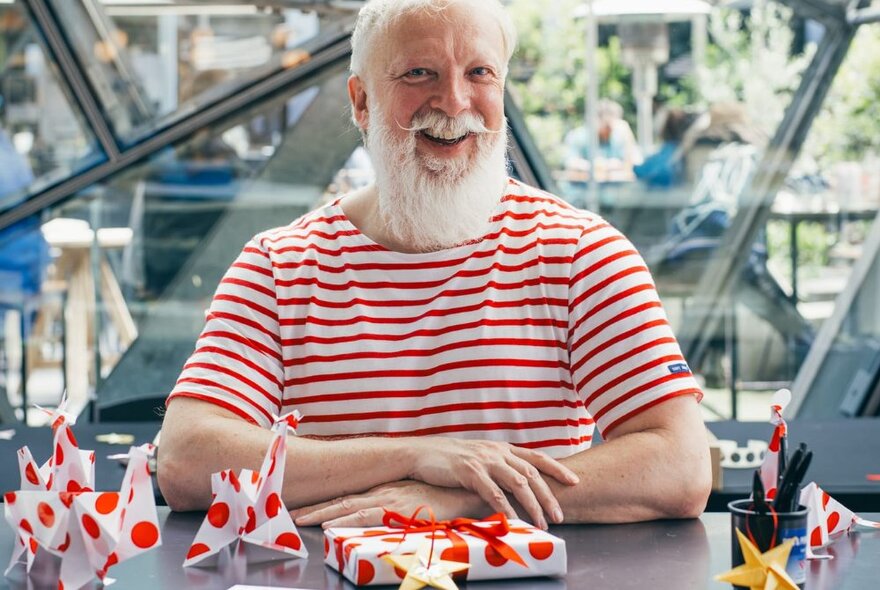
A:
(57, 510)
(247, 506)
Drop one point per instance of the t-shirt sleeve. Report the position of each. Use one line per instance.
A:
(237, 361)
(624, 356)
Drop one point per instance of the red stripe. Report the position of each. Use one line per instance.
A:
(415, 285)
(254, 268)
(394, 373)
(217, 402)
(252, 250)
(605, 283)
(536, 213)
(231, 317)
(592, 247)
(424, 392)
(641, 389)
(448, 293)
(328, 340)
(606, 344)
(247, 303)
(425, 265)
(672, 358)
(292, 234)
(234, 375)
(249, 285)
(209, 383)
(217, 350)
(633, 352)
(649, 405)
(250, 343)
(537, 301)
(369, 354)
(485, 427)
(607, 323)
(376, 248)
(555, 442)
(457, 407)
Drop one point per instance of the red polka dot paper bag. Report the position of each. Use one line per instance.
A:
(247, 506)
(521, 551)
(58, 513)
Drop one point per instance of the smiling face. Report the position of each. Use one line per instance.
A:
(439, 75)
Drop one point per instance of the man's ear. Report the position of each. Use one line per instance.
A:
(357, 93)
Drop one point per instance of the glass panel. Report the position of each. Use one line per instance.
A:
(42, 137)
(137, 289)
(684, 116)
(153, 62)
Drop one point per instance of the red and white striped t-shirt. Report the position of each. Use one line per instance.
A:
(548, 323)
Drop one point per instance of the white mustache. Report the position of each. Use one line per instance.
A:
(438, 124)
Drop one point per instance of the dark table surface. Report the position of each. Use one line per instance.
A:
(845, 451)
(658, 555)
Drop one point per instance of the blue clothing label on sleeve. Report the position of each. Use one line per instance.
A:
(679, 368)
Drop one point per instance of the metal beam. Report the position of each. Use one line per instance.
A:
(336, 49)
(63, 55)
(723, 272)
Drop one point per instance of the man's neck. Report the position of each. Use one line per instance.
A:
(362, 209)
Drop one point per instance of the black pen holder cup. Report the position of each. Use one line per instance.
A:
(765, 532)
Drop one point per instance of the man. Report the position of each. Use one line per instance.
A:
(618, 149)
(447, 331)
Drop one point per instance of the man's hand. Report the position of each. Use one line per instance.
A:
(488, 468)
(404, 497)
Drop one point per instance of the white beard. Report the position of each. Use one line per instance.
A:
(431, 203)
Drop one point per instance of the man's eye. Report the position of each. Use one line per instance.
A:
(481, 71)
(417, 72)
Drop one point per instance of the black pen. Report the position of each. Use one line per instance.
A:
(798, 480)
(758, 493)
(782, 460)
(780, 502)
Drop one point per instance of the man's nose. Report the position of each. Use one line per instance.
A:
(453, 96)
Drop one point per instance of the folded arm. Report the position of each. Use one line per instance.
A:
(199, 438)
(655, 465)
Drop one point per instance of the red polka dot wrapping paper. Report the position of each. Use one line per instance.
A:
(57, 511)
(357, 553)
(247, 507)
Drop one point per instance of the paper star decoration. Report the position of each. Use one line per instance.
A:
(426, 569)
(761, 571)
(248, 507)
(57, 512)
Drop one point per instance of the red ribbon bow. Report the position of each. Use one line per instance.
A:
(451, 528)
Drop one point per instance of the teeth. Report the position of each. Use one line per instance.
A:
(445, 135)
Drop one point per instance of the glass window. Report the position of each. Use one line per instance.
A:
(138, 257)
(153, 62)
(667, 143)
(42, 136)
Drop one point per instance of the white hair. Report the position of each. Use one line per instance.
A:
(378, 16)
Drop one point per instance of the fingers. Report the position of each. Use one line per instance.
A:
(533, 493)
(363, 517)
(547, 465)
(489, 491)
(330, 510)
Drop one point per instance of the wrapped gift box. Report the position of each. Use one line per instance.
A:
(357, 552)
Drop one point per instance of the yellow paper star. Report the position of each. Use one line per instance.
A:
(761, 571)
(421, 573)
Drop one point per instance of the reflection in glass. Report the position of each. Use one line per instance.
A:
(678, 199)
(42, 139)
(153, 63)
(167, 230)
